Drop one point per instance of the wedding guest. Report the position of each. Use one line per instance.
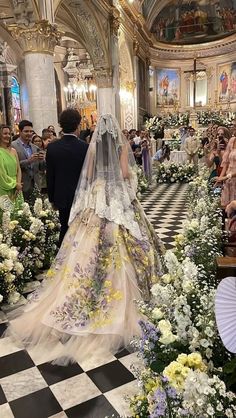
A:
(47, 133)
(146, 159)
(191, 147)
(228, 168)
(52, 130)
(10, 172)
(31, 158)
(213, 160)
(162, 154)
(37, 140)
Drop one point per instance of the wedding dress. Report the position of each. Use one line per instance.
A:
(109, 259)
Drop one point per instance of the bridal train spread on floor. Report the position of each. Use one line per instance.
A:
(109, 258)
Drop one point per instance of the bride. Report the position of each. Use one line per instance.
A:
(109, 258)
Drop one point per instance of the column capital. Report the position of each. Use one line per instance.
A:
(115, 21)
(41, 37)
(103, 77)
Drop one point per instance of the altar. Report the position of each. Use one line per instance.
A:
(178, 157)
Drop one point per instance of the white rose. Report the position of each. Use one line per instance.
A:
(7, 265)
(164, 326)
(157, 313)
(167, 338)
(1, 298)
(13, 297)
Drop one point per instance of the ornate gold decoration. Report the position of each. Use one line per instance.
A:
(128, 86)
(103, 77)
(115, 21)
(136, 46)
(41, 37)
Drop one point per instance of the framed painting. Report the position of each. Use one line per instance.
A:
(168, 86)
(227, 82)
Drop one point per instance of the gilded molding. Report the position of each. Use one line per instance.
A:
(136, 46)
(41, 37)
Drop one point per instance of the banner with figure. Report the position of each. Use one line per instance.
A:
(168, 86)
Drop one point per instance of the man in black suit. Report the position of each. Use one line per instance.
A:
(64, 160)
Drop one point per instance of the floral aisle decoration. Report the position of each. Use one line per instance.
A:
(170, 120)
(172, 173)
(206, 118)
(142, 181)
(32, 234)
(180, 346)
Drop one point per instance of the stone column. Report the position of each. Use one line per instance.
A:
(136, 47)
(108, 79)
(106, 102)
(38, 43)
(115, 26)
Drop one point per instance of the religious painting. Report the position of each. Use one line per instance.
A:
(227, 82)
(168, 86)
(142, 90)
(186, 22)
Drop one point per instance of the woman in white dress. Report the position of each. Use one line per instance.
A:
(110, 257)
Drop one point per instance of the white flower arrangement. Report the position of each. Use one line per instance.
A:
(180, 346)
(171, 120)
(172, 173)
(27, 245)
(205, 118)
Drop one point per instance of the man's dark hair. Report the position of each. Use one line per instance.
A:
(24, 123)
(69, 120)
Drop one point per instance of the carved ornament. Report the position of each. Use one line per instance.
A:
(115, 21)
(103, 77)
(136, 46)
(42, 37)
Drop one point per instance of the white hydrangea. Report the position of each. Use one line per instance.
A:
(38, 206)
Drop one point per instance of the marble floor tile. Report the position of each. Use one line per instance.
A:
(8, 346)
(22, 383)
(91, 363)
(132, 361)
(119, 397)
(59, 415)
(75, 390)
(5, 411)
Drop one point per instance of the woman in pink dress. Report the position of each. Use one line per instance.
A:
(228, 167)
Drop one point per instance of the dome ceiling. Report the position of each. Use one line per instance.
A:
(186, 22)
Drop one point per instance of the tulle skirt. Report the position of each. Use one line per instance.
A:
(86, 304)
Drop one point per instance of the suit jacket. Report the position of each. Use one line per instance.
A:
(64, 161)
(29, 171)
(191, 145)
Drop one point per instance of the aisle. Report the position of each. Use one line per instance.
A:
(32, 390)
(165, 207)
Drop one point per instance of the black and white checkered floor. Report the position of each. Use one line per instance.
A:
(32, 390)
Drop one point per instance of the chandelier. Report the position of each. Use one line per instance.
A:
(81, 89)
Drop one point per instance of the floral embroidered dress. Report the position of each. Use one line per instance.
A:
(109, 258)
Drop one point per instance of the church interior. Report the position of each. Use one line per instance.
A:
(166, 70)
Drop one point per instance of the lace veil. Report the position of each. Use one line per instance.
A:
(108, 181)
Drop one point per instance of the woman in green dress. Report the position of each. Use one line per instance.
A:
(10, 172)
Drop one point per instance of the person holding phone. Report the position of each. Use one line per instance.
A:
(32, 161)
